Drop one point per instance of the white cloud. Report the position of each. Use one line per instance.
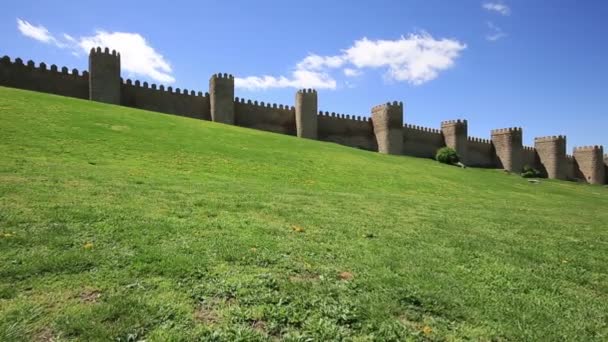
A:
(39, 33)
(416, 59)
(497, 7)
(137, 56)
(299, 79)
(352, 72)
(496, 32)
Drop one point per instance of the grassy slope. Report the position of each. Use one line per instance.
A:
(118, 223)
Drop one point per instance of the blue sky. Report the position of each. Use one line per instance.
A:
(542, 65)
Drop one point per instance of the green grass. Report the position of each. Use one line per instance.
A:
(121, 224)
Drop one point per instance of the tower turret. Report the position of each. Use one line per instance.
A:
(306, 113)
(552, 155)
(508, 144)
(221, 91)
(104, 76)
(387, 120)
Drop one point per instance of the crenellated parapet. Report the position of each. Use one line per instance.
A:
(387, 120)
(508, 146)
(306, 113)
(455, 134)
(104, 75)
(590, 164)
(221, 92)
(385, 131)
(551, 152)
(344, 116)
(162, 89)
(42, 78)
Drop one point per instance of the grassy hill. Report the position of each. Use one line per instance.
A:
(122, 224)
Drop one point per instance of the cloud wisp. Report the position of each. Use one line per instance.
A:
(496, 32)
(497, 7)
(415, 59)
(137, 56)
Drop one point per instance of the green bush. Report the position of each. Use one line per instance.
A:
(530, 172)
(447, 155)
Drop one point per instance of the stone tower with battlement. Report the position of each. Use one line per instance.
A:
(387, 120)
(508, 146)
(306, 113)
(552, 155)
(590, 162)
(221, 92)
(104, 76)
(455, 135)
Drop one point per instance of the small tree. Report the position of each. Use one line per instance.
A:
(447, 155)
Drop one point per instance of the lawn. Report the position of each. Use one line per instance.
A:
(122, 224)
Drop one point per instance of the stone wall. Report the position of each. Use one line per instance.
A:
(480, 152)
(384, 132)
(421, 142)
(44, 79)
(165, 100)
(266, 117)
(346, 130)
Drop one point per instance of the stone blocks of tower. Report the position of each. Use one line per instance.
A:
(306, 113)
(508, 146)
(221, 92)
(455, 135)
(387, 120)
(590, 162)
(104, 76)
(551, 152)
(606, 168)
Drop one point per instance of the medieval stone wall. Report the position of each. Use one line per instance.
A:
(266, 117)
(165, 100)
(421, 142)
(44, 79)
(384, 132)
(347, 130)
(480, 152)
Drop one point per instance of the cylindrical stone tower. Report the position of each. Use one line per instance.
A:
(455, 135)
(590, 162)
(306, 113)
(104, 76)
(508, 144)
(387, 120)
(552, 155)
(221, 91)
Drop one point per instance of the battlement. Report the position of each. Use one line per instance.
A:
(31, 65)
(262, 104)
(161, 88)
(550, 138)
(343, 116)
(454, 122)
(385, 131)
(224, 76)
(479, 140)
(307, 91)
(509, 130)
(422, 129)
(595, 148)
(106, 51)
(387, 105)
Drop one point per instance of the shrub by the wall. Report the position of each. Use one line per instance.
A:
(447, 155)
(530, 172)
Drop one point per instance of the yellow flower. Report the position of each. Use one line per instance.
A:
(297, 229)
(88, 245)
(427, 330)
